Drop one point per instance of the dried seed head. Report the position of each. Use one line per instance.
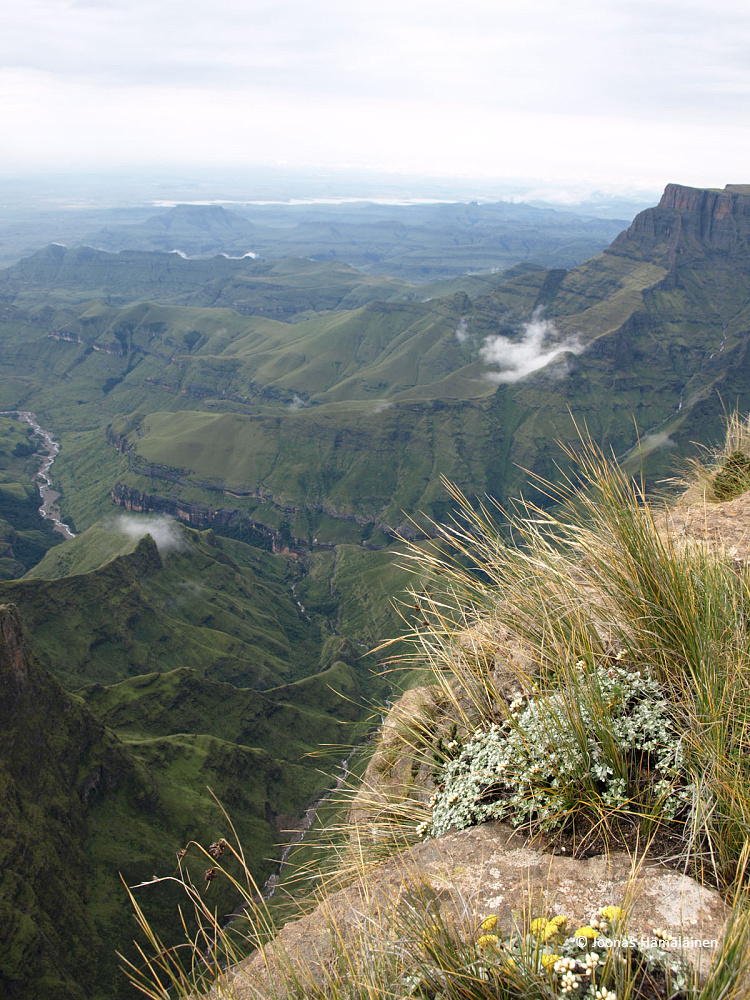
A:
(218, 847)
(211, 874)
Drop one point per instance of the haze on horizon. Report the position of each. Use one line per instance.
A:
(561, 99)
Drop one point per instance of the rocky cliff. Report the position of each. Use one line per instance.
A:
(689, 221)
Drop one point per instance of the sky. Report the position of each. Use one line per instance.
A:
(567, 97)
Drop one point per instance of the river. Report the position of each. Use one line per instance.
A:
(269, 887)
(47, 453)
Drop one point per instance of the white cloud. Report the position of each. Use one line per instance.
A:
(462, 330)
(165, 531)
(540, 344)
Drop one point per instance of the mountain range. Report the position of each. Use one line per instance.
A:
(270, 394)
(292, 417)
(418, 242)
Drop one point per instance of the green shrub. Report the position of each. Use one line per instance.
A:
(608, 743)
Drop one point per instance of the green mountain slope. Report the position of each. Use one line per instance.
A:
(46, 774)
(81, 806)
(63, 277)
(205, 672)
(193, 605)
(332, 426)
(661, 320)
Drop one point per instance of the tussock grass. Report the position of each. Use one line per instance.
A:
(723, 472)
(585, 585)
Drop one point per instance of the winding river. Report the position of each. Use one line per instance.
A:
(269, 887)
(47, 453)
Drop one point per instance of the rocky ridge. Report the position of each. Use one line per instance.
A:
(469, 874)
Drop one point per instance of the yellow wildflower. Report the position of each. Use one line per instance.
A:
(586, 932)
(549, 960)
(489, 923)
(538, 926)
(554, 926)
(508, 965)
(611, 913)
(487, 941)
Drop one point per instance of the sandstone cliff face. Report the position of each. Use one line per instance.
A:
(467, 875)
(689, 220)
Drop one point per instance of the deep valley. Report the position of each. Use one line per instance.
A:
(245, 443)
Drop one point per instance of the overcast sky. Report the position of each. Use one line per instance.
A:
(615, 95)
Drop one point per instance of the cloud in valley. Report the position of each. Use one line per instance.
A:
(165, 531)
(462, 330)
(540, 343)
(297, 403)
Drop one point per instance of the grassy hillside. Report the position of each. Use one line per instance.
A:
(333, 425)
(143, 611)
(82, 806)
(205, 673)
(285, 288)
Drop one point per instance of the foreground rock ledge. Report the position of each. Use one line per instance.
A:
(488, 869)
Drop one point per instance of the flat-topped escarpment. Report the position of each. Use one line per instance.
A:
(732, 200)
(688, 220)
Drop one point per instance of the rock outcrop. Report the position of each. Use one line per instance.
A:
(690, 221)
(473, 873)
(717, 524)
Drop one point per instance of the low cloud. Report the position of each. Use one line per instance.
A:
(540, 343)
(165, 531)
(657, 440)
(462, 330)
(297, 402)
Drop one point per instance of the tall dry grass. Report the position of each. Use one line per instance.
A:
(588, 580)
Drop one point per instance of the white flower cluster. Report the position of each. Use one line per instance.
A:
(569, 982)
(532, 767)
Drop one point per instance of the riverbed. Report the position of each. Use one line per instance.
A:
(47, 453)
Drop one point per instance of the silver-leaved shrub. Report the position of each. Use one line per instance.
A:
(607, 740)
